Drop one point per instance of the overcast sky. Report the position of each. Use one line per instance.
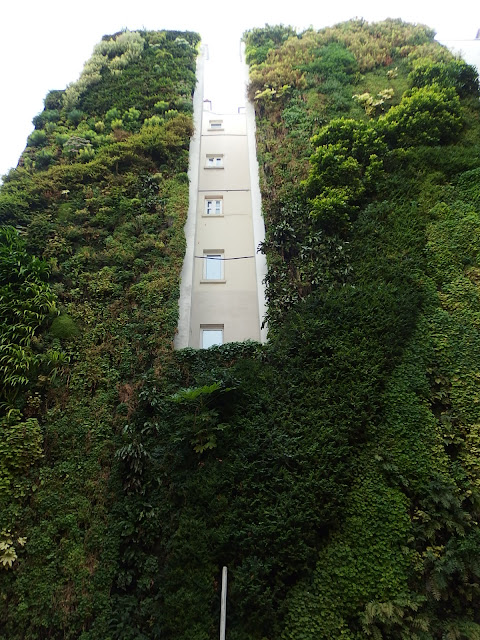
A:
(44, 43)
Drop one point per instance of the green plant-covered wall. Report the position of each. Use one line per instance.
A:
(333, 470)
(100, 197)
(368, 141)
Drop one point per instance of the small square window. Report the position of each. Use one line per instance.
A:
(214, 162)
(215, 125)
(213, 265)
(211, 335)
(214, 206)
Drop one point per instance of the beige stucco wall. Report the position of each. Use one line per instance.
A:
(233, 302)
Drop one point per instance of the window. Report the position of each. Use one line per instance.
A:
(214, 206)
(214, 162)
(211, 335)
(213, 265)
(215, 125)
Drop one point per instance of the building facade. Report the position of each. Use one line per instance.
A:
(222, 291)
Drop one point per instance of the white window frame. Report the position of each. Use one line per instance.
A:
(213, 260)
(214, 161)
(213, 206)
(211, 328)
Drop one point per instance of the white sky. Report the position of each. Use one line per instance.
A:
(44, 43)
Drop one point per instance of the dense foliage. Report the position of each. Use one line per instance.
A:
(100, 196)
(333, 470)
(371, 186)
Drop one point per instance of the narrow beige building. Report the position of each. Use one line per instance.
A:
(222, 291)
(224, 304)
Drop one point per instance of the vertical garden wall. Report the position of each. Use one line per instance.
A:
(335, 469)
(368, 136)
(89, 292)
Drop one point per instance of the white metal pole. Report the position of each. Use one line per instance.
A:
(223, 610)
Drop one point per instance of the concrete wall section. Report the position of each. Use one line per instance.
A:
(235, 173)
(234, 203)
(236, 312)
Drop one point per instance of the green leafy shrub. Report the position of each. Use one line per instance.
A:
(37, 138)
(64, 327)
(161, 106)
(345, 167)
(46, 116)
(261, 40)
(425, 116)
(20, 448)
(332, 61)
(153, 121)
(111, 115)
(117, 124)
(13, 208)
(86, 154)
(44, 158)
(75, 116)
(54, 100)
(131, 119)
(454, 73)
